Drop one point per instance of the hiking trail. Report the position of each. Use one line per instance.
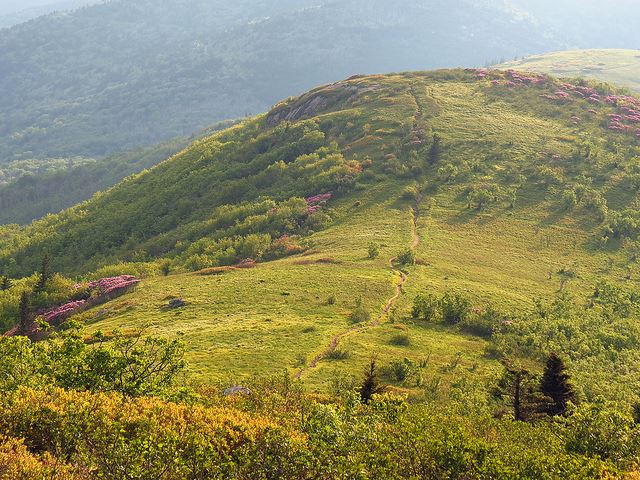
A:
(335, 340)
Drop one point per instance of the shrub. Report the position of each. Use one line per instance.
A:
(374, 251)
(400, 340)
(448, 173)
(455, 308)
(148, 438)
(132, 365)
(482, 324)
(338, 354)
(165, 268)
(425, 308)
(301, 360)
(601, 430)
(359, 314)
(403, 370)
(17, 463)
(331, 300)
(406, 257)
(482, 195)
(140, 270)
(410, 193)
(569, 199)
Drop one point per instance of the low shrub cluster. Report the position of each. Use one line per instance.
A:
(451, 308)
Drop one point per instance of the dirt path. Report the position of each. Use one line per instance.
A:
(415, 241)
(335, 341)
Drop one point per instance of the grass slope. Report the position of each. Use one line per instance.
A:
(492, 224)
(617, 66)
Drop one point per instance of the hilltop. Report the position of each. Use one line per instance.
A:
(161, 71)
(619, 67)
(506, 187)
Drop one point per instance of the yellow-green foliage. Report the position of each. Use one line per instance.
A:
(146, 438)
(276, 432)
(17, 463)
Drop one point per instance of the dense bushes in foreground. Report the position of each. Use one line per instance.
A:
(81, 407)
(278, 432)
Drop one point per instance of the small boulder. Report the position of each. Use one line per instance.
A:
(177, 303)
(236, 390)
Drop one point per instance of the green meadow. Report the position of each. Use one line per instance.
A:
(492, 224)
(616, 66)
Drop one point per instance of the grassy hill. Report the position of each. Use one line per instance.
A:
(620, 67)
(508, 188)
(457, 227)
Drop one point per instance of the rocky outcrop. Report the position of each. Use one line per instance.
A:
(322, 99)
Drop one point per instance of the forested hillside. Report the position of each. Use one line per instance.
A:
(38, 188)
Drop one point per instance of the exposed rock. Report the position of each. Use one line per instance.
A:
(236, 390)
(319, 100)
(177, 303)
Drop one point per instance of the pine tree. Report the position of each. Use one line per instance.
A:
(435, 150)
(371, 384)
(5, 284)
(25, 312)
(517, 389)
(635, 412)
(556, 386)
(45, 273)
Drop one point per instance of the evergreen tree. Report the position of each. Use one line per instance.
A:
(25, 312)
(435, 150)
(45, 273)
(556, 386)
(635, 412)
(371, 384)
(516, 389)
(5, 284)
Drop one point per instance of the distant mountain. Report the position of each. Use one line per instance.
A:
(587, 23)
(13, 12)
(136, 72)
(621, 67)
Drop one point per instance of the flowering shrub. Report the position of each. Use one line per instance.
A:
(56, 315)
(316, 202)
(105, 289)
(114, 285)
